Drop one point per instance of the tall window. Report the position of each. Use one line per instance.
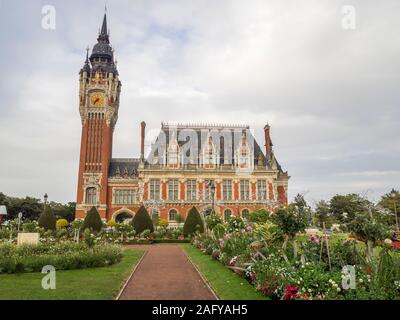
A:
(173, 189)
(155, 189)
(227, 214)
(244, 190)
(227, 190)
(173, 214)
(91, 196)
(124, 196)
(191, 190)
(261, 190)
(208, 193)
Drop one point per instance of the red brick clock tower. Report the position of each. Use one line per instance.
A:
(99, 92)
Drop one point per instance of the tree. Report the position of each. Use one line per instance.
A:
(142, 221)
(30, 207)
(345, 207)
(92, 220)
(291, 220)
(323, 213)
(391, 202)
(193, 222)
(47, 219)
(304, 208)
(369, 227)
(64, 211)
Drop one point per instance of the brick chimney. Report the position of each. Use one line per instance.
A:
(142, 137)
(267, 140)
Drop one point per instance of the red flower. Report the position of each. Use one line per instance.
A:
(291, 293)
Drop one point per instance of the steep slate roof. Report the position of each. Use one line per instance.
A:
(123, 165)
(199, 128)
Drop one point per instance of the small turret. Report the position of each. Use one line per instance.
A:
(86, 67)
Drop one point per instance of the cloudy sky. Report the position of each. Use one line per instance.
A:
(330, 94)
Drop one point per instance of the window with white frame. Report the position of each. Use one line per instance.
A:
(91, 195)
(173, 189)
(124, 196)
(154, 189)
(227, 190)
(244, 190)
(261, 190)
(191, 190)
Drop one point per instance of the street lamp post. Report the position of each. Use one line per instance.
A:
(213, 196)
(393, 194)
(45, 197)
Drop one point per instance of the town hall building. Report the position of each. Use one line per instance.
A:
(213, 167)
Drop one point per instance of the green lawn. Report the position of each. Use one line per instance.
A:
(90, 284)
(226, 284)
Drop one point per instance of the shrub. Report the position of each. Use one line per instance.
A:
(92, 220)
(62, 223)
(29, 226)
(192, 222)
(111, 223)
(213, 220)
(47, 219)
(235, 224)
(63, 256)
(259, 216)
(219, 230)
(142, 221)
(163, 223)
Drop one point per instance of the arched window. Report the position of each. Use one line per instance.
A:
(227, 214)
(91, 195)
(245, 213)
(122, 217)
(173, 214)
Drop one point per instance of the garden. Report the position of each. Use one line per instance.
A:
(283, 258)
(344, 249)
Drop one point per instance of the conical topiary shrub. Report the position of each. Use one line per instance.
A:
(92, 220)
(193, 222)
(142, 221)
(47, 219)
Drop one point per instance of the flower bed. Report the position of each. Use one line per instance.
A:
(63, 256)
(282, 262)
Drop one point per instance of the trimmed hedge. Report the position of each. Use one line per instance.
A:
(142, 221)
(63, 256)
(92, 220)
(47, 219)
(192, 221)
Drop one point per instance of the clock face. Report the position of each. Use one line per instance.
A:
(97, 100)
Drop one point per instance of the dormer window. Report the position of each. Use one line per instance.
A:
(209, 154)
(173, 152)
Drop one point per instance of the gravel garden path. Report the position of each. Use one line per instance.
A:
(165, 273)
